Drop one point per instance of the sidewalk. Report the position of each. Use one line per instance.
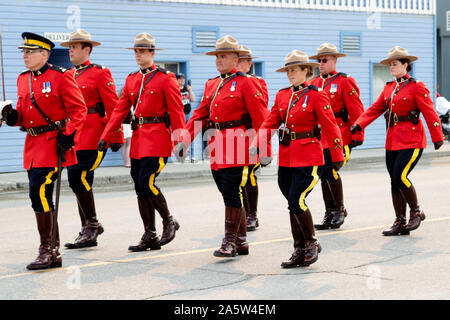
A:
(183, 172)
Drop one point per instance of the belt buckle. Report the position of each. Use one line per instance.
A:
(293, 135)
(58, 123)
(395, 118)
(31, 132)
(141, 120)
(217, 125)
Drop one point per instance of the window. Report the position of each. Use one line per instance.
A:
(204, 38)
(351, 43)
(380, 75)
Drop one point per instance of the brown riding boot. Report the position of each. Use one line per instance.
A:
(47, 258)
(233, 218)
(252, 207)
(241, 239)
(170, 225)
(150, 239)
(329, 205)
(339, 212)
(91, 228)
(312, 246)
(416, 215)
(398, 228)
(296, 260)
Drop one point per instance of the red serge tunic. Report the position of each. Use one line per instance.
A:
(343, 93)
(160, 95)
(58, 96)
(239, 96)
(312, 108)
(413, 96)
(97, 86)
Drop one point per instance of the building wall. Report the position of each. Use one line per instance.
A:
(443, 68)
(270, 32)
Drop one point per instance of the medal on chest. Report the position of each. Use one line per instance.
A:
(333, 89)
(305, 102)
(46, 87)
(233, 86)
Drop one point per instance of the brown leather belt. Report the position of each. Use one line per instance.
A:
(145, 120)
(226, 124)
(48, 127)
(92, 110)
(396, 118)
(302, 135)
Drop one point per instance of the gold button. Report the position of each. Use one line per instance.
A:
(292, 126)
(46, 95)
(218, 93)
(216, 118)
(151, 92)
(84, 87)
(291, 115)
(132, 93)
(35, 79)
(393, 104)
(414, 128)
(140, 101)
(31, 121)
(281, 109)
(231, 96)
(215, 105)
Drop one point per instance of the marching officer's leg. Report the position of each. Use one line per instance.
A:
(251, 199)
(149, 239)
(81, 179)
(41, 190)
(327, 193)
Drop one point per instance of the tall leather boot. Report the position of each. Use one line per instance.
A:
(296, 260)
(398, 228)
(339, 212)
(329, 206)
(233, 218)
(47, 257)
(91, 228)
(241, 239)
(252, 205)
(312, 246)
(170, 225)
(150, 239)
(416, 215)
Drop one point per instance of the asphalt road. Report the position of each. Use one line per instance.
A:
(357, 262)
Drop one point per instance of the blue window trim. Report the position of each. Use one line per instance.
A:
(262, 63)
(371, 63)
(196, 49)
(351, 33)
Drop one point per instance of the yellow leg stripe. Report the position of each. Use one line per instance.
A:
(48, 180)
(408, 166)
(243, 183)
(335, 174)
(252, 174)
(346, 153)
(84, 181)
(151, 182)
(310, 187)
(97, 161)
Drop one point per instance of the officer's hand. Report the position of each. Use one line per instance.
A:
(7, 113)
(337, 165)
(354, 128)
(180, 151)
(115, 146)
(438, 144)
(66, 141)
(102, 144)
(355, 143)
(5, 107)
(265, 161)
(253, 151)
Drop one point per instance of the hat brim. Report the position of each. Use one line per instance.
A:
(335, 54)
(68, 43)
(248, 57)
(144, 48)
(311, 64)
(213, 53)
(33, 47)
(388, 60)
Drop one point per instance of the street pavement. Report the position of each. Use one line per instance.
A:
(357, 262)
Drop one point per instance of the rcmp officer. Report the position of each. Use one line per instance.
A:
(347, 107)
(232, 103)
(99, 92)
(402, 101)
(250, 193)
(156, 108)
(51, 108)
(298, 109)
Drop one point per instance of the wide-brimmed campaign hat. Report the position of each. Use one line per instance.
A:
(246, 53)
(225, 44)
(35, 41)
(327, 49)
(397, 53)
(79, 36)
(297, 58)
(144, 41)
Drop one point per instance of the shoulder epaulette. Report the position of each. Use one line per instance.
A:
(239, 73)
(163, 70)
(284, 88)
(214, 78)
(314, 88)
(131, 73)
(414, 80)
(57, 68)
(98, 66)
(341, 74)
(25, 71)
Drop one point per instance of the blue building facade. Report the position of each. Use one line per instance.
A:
(186, 29)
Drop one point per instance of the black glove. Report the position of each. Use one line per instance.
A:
(8, 114)
(355, 143)
(265, 161)
(102, 145)
(115, 146)
(66, 141)
(180, 151)
(337, 165)
(438, 144)
(354, 128)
